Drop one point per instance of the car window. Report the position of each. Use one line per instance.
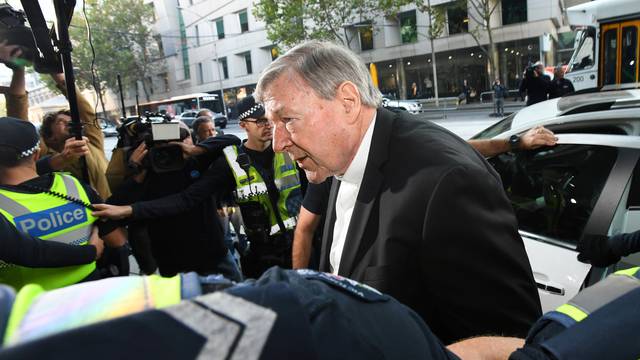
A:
(554, 190)
(497, 128)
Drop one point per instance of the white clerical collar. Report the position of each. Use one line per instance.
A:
(355, 171)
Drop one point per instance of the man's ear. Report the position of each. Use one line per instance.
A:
(36, 155)
(349, 97)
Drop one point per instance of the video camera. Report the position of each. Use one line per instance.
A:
(35, 42)
(157, 131)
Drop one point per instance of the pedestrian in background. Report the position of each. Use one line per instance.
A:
(499, 93)
(559, 85)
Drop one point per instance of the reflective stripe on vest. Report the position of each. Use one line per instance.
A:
(289, 223)
(246, 324)
(51, 218)
(37, 313)
(594, 297)
(251, 187)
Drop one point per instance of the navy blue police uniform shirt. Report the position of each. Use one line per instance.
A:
(319, 316)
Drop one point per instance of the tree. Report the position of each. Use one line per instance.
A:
(480, 15)
(290, 22)
(123, 43)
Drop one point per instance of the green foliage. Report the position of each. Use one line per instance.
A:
(290, 22)
(122, 39)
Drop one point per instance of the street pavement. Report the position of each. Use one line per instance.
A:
(464, 122)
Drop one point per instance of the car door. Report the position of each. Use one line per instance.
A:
(558, 193)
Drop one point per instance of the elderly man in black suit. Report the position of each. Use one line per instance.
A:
(417, 212)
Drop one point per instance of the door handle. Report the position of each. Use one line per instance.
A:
(552, 289)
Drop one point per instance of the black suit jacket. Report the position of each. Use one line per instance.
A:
(433, 227)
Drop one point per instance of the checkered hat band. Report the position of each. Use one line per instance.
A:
(30, 151)
(249, 112)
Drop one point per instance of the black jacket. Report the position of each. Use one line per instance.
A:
(190, 239)
(537, 88)
(560, 88)
(433, 227)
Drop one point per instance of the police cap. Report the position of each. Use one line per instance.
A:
(18, 135)
(248, 108)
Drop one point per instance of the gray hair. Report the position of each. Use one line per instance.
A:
(323, 66)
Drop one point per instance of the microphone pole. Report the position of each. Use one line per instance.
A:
(64, 50)
(124, 111)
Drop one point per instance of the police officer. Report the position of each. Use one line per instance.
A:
(290, 314)
(266, 185)
(597, 323)
(268, 191)
(285, 314)
(53, 207)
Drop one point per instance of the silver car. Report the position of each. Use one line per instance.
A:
(412, 106)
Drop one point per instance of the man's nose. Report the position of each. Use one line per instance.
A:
(281, 137)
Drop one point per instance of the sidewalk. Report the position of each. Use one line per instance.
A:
(447, 105)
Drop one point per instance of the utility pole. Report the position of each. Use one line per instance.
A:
(433, 57)
(215, 53)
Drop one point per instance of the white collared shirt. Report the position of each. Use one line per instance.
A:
(347, 194)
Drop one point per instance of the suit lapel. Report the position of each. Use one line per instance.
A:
(355, 245)
(327, 237)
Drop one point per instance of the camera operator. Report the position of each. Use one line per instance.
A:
(536, 84)
(261, 181)
(55, 132)
(189, 240)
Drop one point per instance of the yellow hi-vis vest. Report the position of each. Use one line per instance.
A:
(594, 297)
(252, 188)
(49, 218)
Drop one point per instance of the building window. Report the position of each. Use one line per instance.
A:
(274, 53)
(514, 11)
(165, 81)
(158, 40)
(220, 28)
(133, 89)
(200, 74)
(408, 29)
(197, 35)
(244, 21)
(457, 18)
(247, 61)
(365, 31)
(150, 82)
(225, 69)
